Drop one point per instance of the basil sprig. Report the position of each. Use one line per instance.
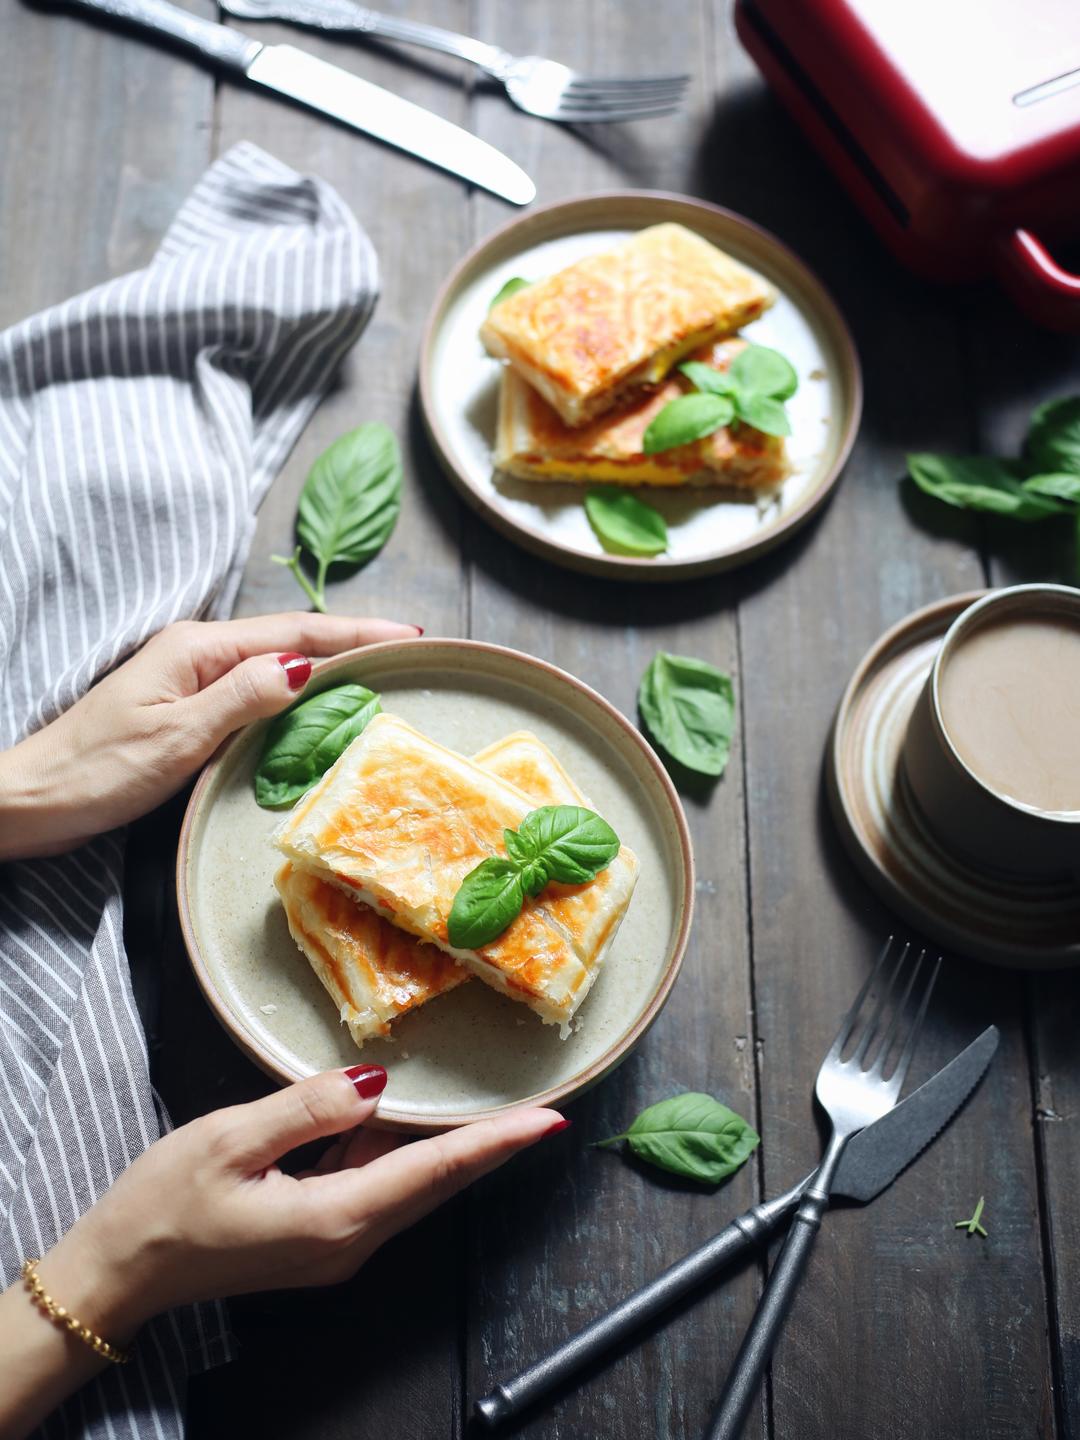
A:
(565, 843)
(1042, 483)
(688, 707)
(624, 524)
(304, 742)
(512, 286)
(348, 506)
(752, 389)
(691, 1135)
(996, 487)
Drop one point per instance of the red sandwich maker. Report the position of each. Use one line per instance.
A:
(955, 125)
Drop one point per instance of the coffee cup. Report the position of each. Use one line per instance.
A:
(992, 751)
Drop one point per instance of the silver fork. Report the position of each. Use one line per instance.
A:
(541, 87)
(853, 1094)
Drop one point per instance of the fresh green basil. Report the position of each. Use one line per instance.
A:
(1060, 486)
(304, 742)
(688, 707)
(691, 1135)
(488, 900)
(512, 286)
(565, 843)
(763, 413)
(1053, 441)
(625, 524)
(752, 390)
(348, 506)
(707, 378)
(572, 843)
(689, 418)
(981, 482)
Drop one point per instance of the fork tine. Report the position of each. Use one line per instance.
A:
(602, 82)
(589, 115)
(629, 90)
(899, 1011)
(848, 1022)
(871, 1028)
(896, 1079)
(632, 102)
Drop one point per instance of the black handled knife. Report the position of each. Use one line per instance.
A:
(871, 1162)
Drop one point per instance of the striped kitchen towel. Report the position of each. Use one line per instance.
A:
(140, 426)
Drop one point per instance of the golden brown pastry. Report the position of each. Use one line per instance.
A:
(589, 336)
(399, 821)
(533, 443)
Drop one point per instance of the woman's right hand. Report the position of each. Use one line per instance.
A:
(206, 1212)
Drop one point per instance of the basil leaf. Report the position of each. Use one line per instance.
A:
(689, 418)
(758, 370)
(519, 848)
(688, 707)
(304, 742)
(763, 413)
(1054, 437)
(534, 876)
(512, 286)
(488, 900)
(573, 843)
(624, 523)
(980, 482)
(691, 1135)
(708, 379)
(1059, 487)
(351, 497)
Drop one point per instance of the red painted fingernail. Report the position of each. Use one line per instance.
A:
(562, 1124)
(297, 669)
(369, 1080)
(419, 629)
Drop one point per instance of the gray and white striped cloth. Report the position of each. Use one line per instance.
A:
(140, 426)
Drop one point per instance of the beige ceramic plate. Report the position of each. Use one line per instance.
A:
(997, 919)
(472, 1052)
(709, 530)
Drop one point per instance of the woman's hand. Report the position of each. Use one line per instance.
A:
(206, 1212)
(133, 739)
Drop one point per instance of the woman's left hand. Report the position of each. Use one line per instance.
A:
(134, 739)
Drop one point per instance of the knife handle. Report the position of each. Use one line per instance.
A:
(225, 48)
(513, 1396)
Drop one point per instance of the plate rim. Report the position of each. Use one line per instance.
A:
(937, 612)
(618, 1051)
(626, 566)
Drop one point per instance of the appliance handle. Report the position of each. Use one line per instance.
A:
(1038, 284)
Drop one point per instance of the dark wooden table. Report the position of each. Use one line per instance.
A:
(904, 1327)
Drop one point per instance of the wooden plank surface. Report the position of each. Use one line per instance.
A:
(552, 1243)
(1019, 367)
(899, 1328)
(370, 1363)
(904, 1326)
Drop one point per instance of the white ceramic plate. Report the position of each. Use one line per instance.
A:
(472, 1052)
(709, 530)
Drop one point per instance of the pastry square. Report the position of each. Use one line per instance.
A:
(532, 443)
(374, 971)
(399, 821)
(589, 336)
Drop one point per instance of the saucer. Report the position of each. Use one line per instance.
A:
(998, 917)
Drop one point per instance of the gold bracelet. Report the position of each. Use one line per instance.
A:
(59, 1316)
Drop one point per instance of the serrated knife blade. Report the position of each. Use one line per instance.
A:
(872, 1160)
(875, 1156)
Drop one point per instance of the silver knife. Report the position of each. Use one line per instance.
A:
(331, 90)
(873, 1159)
